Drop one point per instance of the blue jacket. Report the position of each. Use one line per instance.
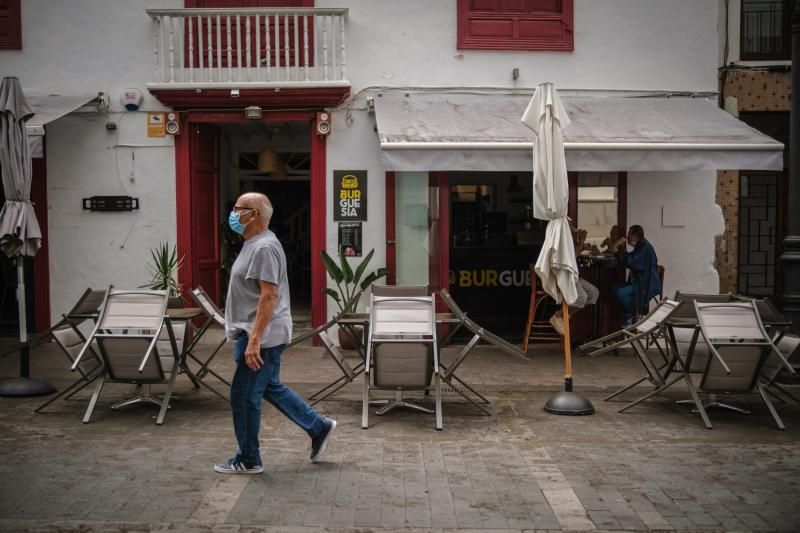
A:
(641, 262)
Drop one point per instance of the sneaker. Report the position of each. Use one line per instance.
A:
(235, 466)
(558, 324)
(319, 442)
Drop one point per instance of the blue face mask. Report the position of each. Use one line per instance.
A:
(233, 222)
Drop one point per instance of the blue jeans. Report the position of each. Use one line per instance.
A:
(247, 390)
(623, 294)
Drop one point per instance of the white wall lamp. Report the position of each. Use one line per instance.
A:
(252, 112)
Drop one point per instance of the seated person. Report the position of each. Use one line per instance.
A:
(587, 293)
(643, 281)
(608, 243)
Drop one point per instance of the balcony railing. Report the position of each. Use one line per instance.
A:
(249, 47)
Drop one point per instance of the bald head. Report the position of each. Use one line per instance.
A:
(255, 212)
(259, 202)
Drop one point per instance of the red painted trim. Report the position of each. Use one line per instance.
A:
(572, 204)
(318, 221)
(391, 231)
(183, 199)
(467, 41)
(622, 203)
(444, 231)
(246, 3)
(217, 117)
(439, 264)
(12, 39)
(266, 98)
(41, 261)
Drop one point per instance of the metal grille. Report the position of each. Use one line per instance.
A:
(765, 29)
(758, 216)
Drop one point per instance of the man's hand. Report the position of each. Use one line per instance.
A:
(252, 355)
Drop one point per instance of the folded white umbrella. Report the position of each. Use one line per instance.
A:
(556, 265)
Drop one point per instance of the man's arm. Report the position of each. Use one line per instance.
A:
(267, 301)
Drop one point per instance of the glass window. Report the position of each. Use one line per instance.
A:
(598, 207)
(765, 29)
(412, 234)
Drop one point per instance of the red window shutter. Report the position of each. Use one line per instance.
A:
(10, 24)
(515, 25)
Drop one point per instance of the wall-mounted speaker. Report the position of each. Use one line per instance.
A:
(173, 125)
(323, 123)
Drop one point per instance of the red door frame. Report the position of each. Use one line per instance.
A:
(41, 261)
(318, 180)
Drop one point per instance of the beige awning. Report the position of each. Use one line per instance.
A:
(48, 108)
(437, 130)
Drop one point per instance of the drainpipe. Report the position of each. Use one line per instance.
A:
(791, 244)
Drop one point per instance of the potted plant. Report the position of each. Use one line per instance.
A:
(164, 269)
(350, 284)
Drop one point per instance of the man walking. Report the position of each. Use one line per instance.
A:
(258, 320)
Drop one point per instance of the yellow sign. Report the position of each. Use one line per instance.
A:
(156, 125)
(349, 182)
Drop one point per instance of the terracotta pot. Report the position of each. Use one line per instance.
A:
(346, 341)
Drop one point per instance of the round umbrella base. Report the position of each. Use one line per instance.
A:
(569, 403)
(19, 387)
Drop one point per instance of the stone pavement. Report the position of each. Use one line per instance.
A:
(653, 468)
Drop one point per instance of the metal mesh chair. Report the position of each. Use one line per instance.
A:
(127, 334)
(71, 341)
(402, 351)
(214, 317)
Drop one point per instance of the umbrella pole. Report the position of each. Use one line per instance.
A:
(24, 385)
(568, 402)
(567, 347)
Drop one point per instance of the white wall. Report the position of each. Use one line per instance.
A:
(686, 251)
(86, 46)
(619, 45)
(95, 249)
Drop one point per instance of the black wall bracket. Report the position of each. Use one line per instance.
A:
(111, 203)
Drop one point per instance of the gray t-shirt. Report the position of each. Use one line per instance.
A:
(261, 258)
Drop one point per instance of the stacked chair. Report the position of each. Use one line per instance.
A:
(402, 350)
(738, 348)
(127, 337)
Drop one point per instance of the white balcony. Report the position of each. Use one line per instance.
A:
(248, 48)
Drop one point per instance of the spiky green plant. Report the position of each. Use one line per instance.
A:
(349, 282)
(164, 269)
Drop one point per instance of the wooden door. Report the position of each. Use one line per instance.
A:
(206, 264)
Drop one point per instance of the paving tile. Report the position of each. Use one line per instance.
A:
(521, 469)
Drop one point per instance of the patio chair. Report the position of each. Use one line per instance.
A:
(478, 334)
(402, 352)
(215, 317)
(87, 307)
(789, 346)
(649, 329)
(127, 336)
(738, 347)
(70, 341)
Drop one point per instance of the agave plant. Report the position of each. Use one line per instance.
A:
(164, 268)
(349, 282)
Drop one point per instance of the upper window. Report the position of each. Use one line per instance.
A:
(10, 24)
(766, 30)
(515, 25)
